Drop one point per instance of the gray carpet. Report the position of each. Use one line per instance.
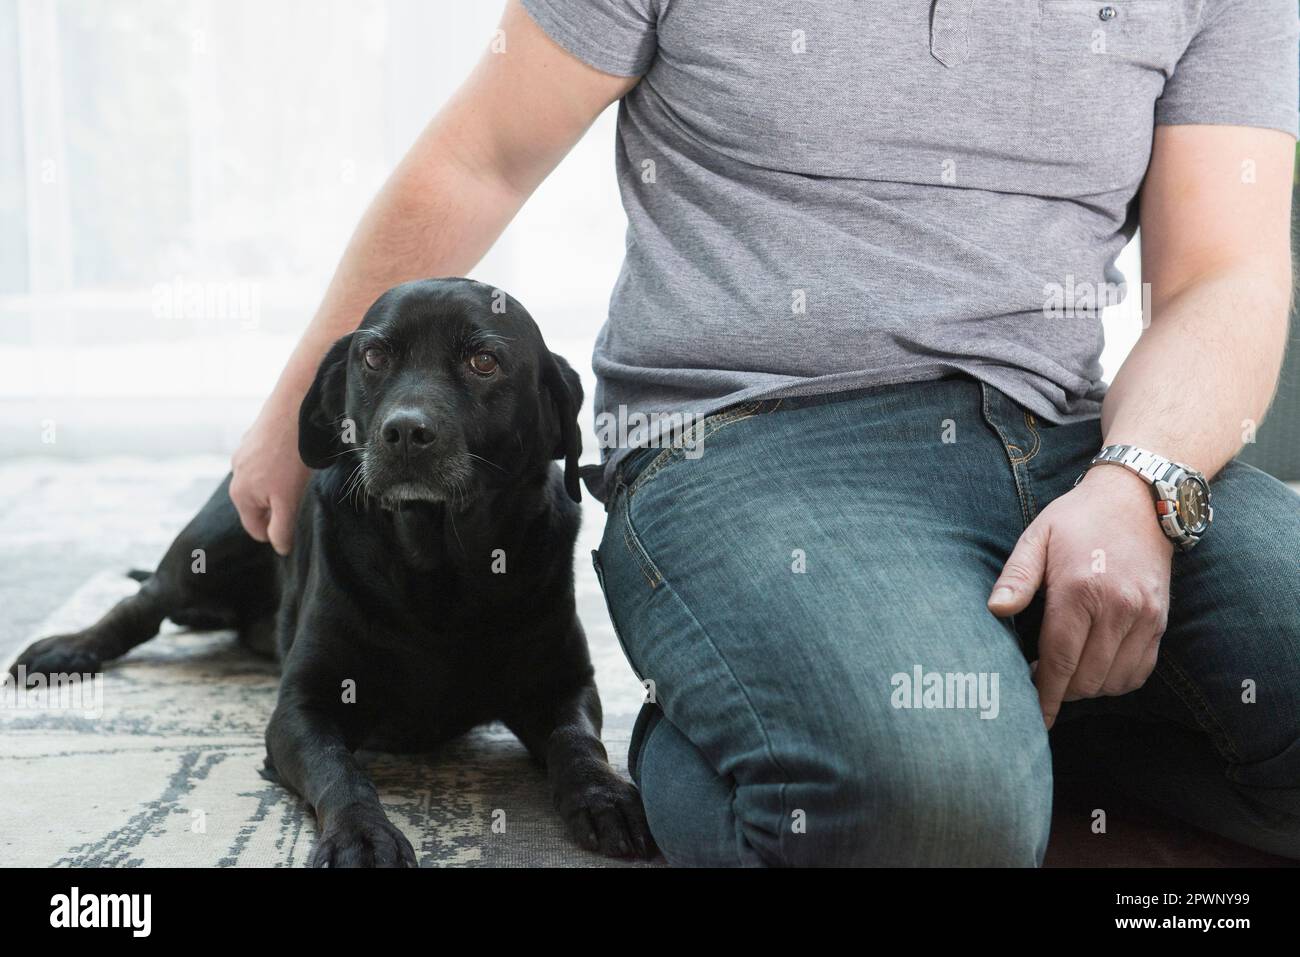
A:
(162, 770)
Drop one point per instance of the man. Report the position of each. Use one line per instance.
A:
(868, 247)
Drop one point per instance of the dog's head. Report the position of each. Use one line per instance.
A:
(445, 389)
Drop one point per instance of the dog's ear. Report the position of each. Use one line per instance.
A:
(319, 438)
(559, 379)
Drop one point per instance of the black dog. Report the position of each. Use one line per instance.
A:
(430, 588)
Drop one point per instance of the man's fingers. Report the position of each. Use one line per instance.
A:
(281, 527)
(1060, 647)
(1021, 575)
(1136, 658)
(254, 519)
(1100, 655)
(1151, 655)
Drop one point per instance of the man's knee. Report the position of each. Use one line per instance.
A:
(893, 788)
(963, 803)
(688, 805)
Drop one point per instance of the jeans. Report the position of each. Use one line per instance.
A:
(785, 590)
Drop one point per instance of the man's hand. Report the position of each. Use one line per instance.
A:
(491, 144)
(269, 478)
(1105, 564)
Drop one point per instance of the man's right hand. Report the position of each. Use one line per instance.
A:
(269, 478)
(491, 144)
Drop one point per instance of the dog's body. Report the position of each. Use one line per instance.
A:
(430, 587)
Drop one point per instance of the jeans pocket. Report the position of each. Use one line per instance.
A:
(693, 439)
(649, 570)
(609, 610)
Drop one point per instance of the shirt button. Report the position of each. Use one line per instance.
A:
(1108, 13)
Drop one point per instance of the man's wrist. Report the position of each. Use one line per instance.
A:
(1118, 480)
(1178, 494)
(1118, 485)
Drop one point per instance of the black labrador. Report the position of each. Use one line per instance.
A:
(430, 586)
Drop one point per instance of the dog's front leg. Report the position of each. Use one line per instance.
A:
(601, 810)
(309, 753)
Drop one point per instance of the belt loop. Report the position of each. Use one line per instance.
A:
(950, 31)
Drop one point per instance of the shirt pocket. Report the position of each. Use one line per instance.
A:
(1099, 67)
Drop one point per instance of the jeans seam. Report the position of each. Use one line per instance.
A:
(1028, 506)
(649, 568)
(710, 425)
(609, 610)
(654, 578)
(1029, 421)
(642, 558)
(753, 712)
(1183, 686)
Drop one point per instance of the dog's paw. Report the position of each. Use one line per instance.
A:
(61, 654)
(605, 815)
(361, 836)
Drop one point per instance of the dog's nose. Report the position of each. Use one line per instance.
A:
(408, 431)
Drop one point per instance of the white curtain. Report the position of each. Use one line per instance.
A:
(179, 177)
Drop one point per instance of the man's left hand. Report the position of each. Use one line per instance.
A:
(1104, 563)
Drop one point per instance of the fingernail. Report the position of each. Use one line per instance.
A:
(1002, 594)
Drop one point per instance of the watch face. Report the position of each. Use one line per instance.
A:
(1193, 505)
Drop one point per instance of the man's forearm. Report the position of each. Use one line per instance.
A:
(1203, 374)
(435, 216)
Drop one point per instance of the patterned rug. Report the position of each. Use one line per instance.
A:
(158, 765)
(162, 770)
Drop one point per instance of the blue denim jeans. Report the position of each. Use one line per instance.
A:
(786, 591)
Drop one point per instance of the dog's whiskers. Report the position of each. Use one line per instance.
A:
(486, 461)
(361, 490)
(459, 495)
(347, 485)
(357, 487)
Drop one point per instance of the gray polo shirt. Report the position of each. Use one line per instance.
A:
(847, 193)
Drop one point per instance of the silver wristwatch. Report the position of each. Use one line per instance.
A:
(1182, 494)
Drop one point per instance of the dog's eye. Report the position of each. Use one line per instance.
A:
(375, 358)
(483, 363)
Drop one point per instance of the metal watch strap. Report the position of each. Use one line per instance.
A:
(1163, 476)
(1150, 466)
